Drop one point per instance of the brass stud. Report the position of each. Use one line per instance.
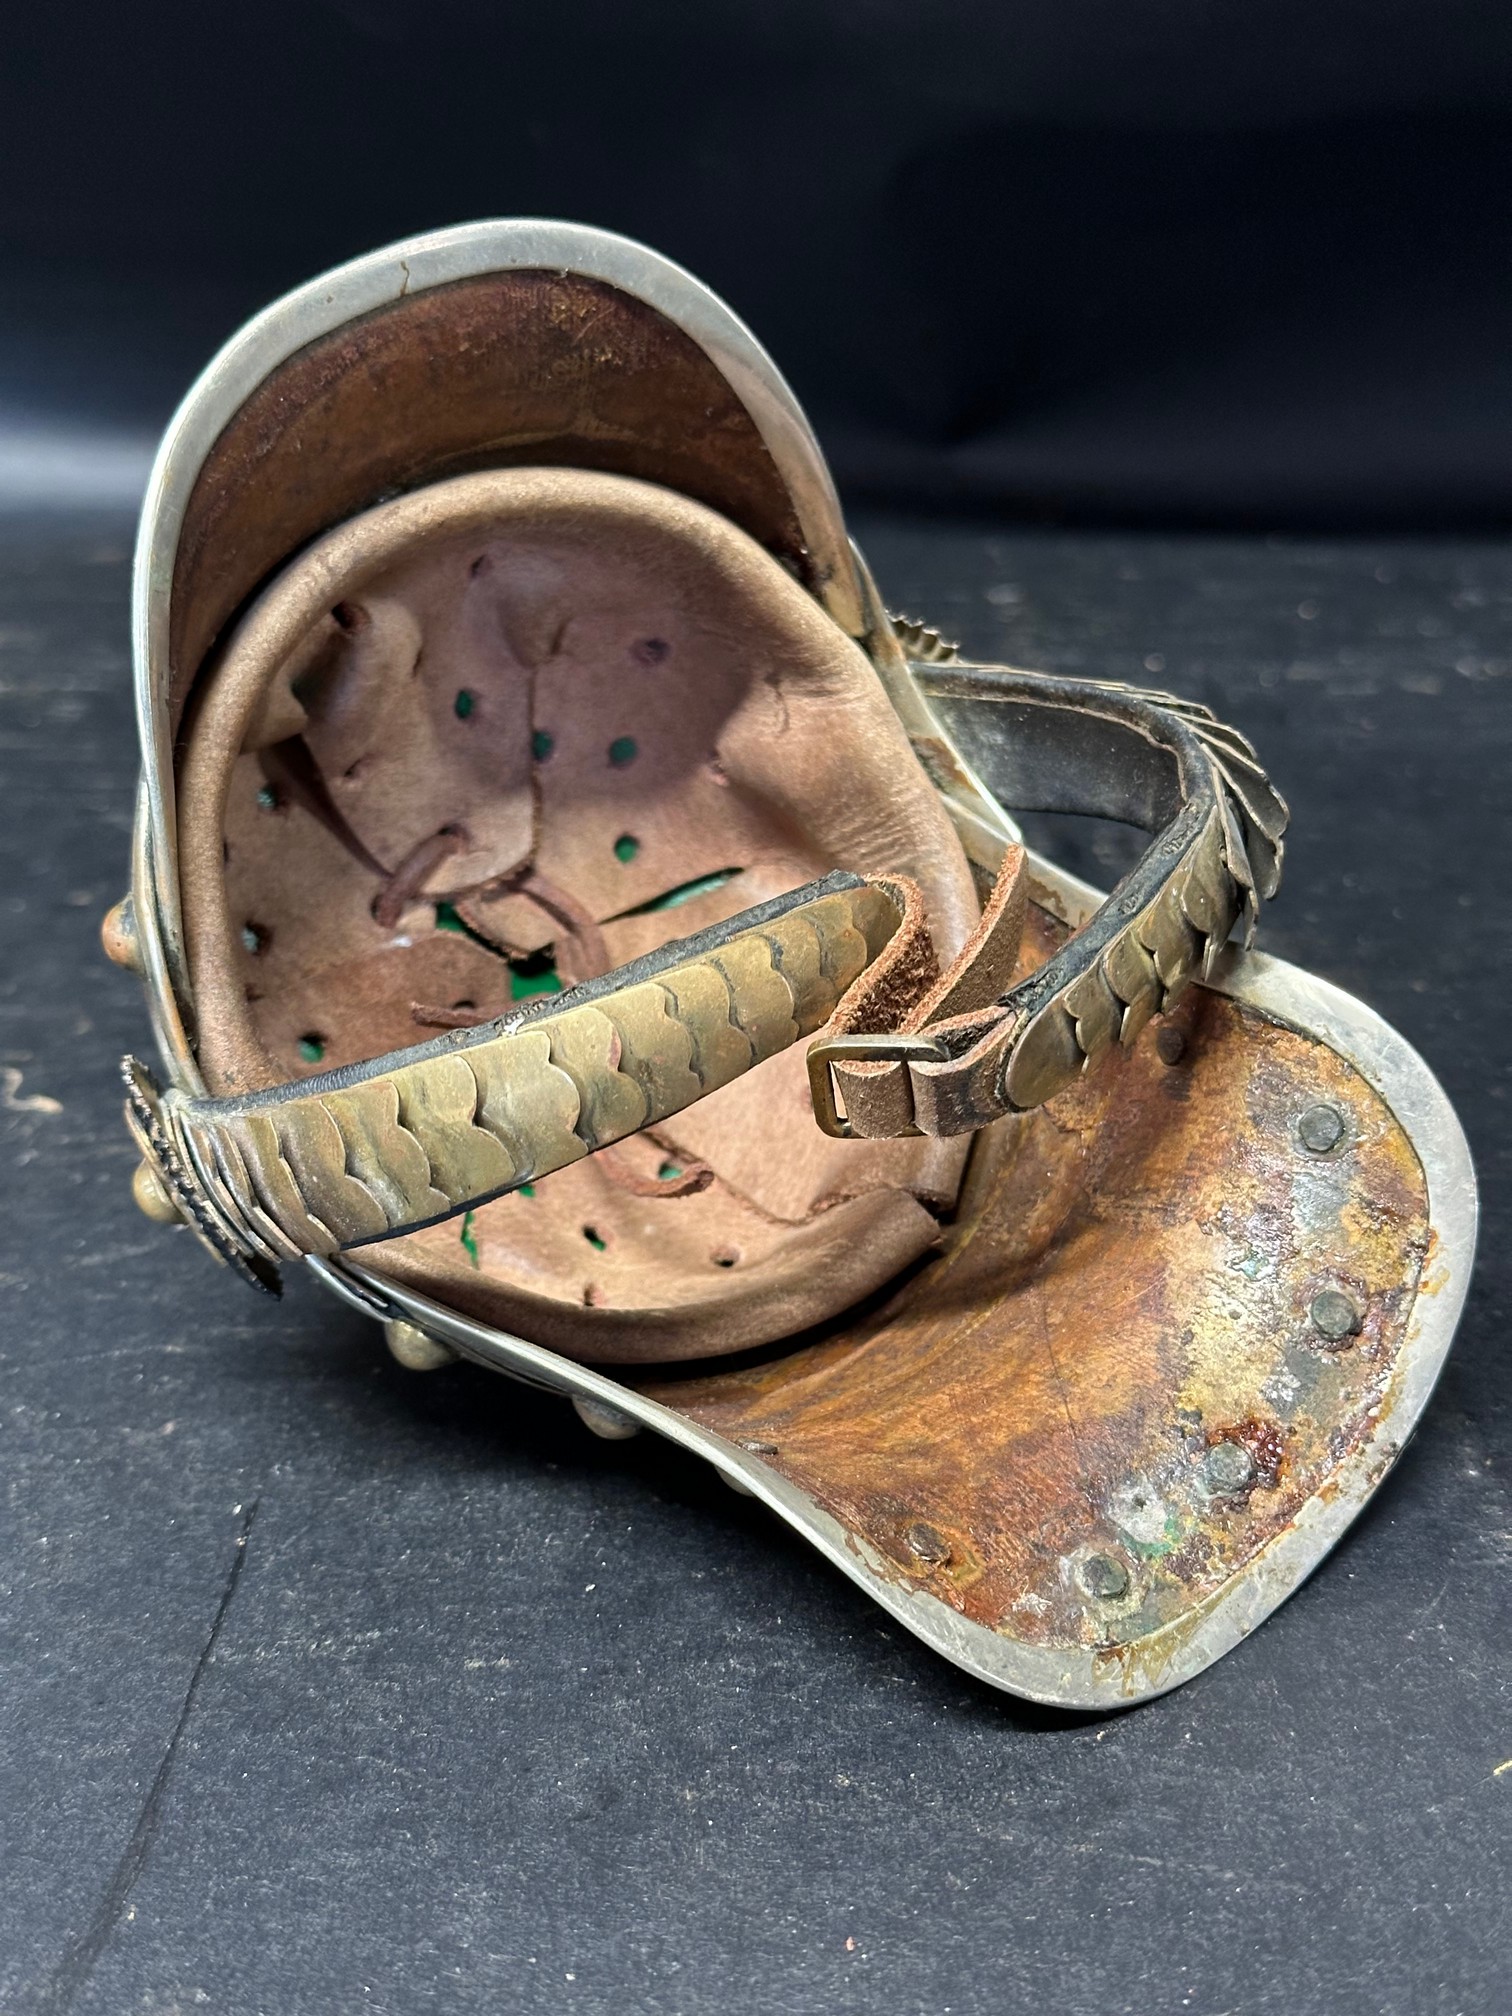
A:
(1321, 1129)
(1102, 1578)
(607, 1422)
(927, 1543)
(118, 935)
(1334, 1315)
(415, 1349)
(151, 1195)
(1230, 1467)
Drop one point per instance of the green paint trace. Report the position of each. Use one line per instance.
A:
(464, 704)
(626, 847)
(532, 973)
(535, 973)
(673, 899)
(525, 1190)
(469, 1243)
(541, 745)
(312, 1048)
(594, 1240)
(623, 750)
(267, 798)
(669, 1172)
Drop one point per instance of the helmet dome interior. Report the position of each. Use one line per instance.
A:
(506, 734)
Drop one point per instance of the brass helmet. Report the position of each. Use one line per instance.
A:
(529, 764)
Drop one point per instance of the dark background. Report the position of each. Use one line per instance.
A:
(1118, 260)
(1158, 342)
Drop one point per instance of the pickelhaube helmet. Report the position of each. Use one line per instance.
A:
(583, 925)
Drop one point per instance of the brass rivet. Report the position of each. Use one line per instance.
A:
(1334, 1315)
(1170, 1044)
(1321, 1129)
(604, 1420)
(151, 1195)
(415, 1349)
(1102, 1578)
(926, 1543)
(1229, 1466)
(118, 935)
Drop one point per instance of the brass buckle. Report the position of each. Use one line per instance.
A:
(831, 1050)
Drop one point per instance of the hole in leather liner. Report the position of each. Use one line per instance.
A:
(725, 1256)
(349, 616)
(672, 899)
(312, 1046)
(256, 938)
(651, 651)
(595, 1238)
(269, 798)
(534, 973)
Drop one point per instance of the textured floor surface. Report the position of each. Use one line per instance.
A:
(329, 1688)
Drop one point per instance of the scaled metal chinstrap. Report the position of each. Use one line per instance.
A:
(586, 928)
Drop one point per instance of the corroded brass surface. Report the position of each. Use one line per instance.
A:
(1111, 1391)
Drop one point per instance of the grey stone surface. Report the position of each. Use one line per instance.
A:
(329, 1687)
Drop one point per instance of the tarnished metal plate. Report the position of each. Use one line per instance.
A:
(1188, 1319)
(1165, 1324)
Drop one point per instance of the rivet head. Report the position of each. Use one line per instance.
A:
(926, 1543)
(415, 1349)
(1321, 1129)
(1334, 1315)
(604, 1421)
(1170, 1044)
(152, 1195)
(1229, 1467)
(1102, 1578)
(118, 935)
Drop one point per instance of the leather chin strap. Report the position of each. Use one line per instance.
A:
(402, 1141)
(976, 1047)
